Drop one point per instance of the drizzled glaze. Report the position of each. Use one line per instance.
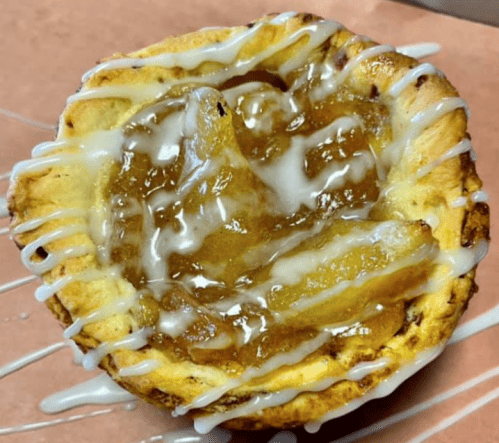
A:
(207, 423)
(190, 60)
(99, 390)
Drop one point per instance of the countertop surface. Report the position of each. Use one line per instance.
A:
(484, 11)
(47, 45)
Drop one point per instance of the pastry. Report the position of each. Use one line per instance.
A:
(261, 226)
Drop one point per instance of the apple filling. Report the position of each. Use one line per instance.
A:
(241, 216)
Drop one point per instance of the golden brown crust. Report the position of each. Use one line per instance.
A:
(429, 319)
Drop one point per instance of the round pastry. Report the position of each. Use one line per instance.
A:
(261, 226)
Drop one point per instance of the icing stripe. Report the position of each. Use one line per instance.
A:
(4, 210)
(206, 423)
(53, 258)
(30, 358)
(418, 123)
(17, 283)
(44, 424)
(462, 147)
(480, 323)
(133, 341)
(39, 221)
(421, 407)
(275, 362)
(26, 120)
(104, 312)
(419, 50)
(386, 387)
(454, 418)
(144, 367)
(99, 390)
(411, 77)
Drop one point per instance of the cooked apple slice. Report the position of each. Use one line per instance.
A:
(346, 271)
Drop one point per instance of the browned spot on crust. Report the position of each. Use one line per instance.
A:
(475, 225)
(234, 400)
(340, 59)
(421, 79)
(410, 318)
(42, 253)
(307, 18)
(59, 310)
(169, 400)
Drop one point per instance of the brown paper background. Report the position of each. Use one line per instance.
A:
(46, 45)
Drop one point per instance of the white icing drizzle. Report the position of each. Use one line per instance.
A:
(206, 423)
(30, 358)
(331, 78)
(40, 164)
(4, 231)
(454, 418)
(47, 147)
(53, 258)
(77, 353)
(317, 32)
(226, 51)
(287, 177)
(359, 58)
(176, 323)
(420, 407)
(26, 120)
(433, 220)
(135, 93)
(329, 294)
(45, 291)
(479, 196)
(144, 367)
(94, 150)
(4, 210)
(282, 359)
(463, 260)
(291, 270)
(462, 147)
(419, 50)
(257, 105)
(39, 221)
(274, 249)
(386, 387)
(17, 283)
(418, 123)
(480, 323)
(58, 421)
(476, 197)
(5, 176)
(133, 341)
(220, 341)
(99, 390)
(106, 311)
(459, 202)
(411, 77)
